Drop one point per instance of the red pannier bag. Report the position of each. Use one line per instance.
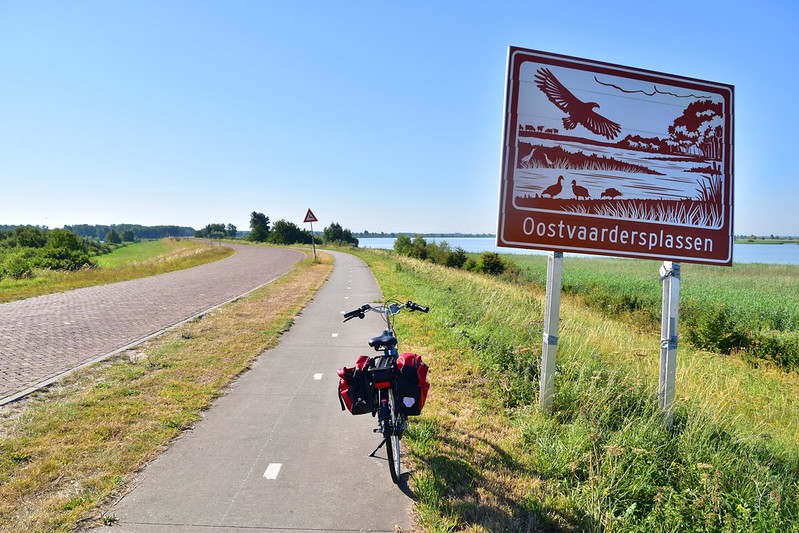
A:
(412, 385)
(354, 390)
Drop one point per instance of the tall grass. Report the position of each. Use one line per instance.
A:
(749, 309)
(487, 459)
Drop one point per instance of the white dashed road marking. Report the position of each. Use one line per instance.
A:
(272, 470)
(317, 376)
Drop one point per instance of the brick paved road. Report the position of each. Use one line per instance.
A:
(42, 337)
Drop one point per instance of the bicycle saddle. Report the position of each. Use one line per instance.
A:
(383, 341)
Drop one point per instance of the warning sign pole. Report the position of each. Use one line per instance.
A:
(311, 218)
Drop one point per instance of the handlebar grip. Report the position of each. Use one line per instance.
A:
(352, 314)
(349, 315)
(416, 307)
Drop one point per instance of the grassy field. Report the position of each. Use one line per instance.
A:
(487, 459)
(67, 451)
(133, 261)
(749, 306)
(761, 240)
(140, 251)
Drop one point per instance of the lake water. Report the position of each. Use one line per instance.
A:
(779, 254)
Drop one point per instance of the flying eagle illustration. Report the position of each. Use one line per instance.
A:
(579, 112)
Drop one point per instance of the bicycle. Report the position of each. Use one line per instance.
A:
(383, 376)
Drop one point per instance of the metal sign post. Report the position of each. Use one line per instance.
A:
(549, 350)
(311, 218)
(670, 277)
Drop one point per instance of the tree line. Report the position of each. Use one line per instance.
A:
(279, 232)
(23, 249)
(442, 254)
(99, 231)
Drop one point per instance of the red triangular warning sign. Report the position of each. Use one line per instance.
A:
(310, 217)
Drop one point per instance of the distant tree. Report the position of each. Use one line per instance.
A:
(211, 231)
(26, 237)
(403, 245)
(128, 236)
(231, 231)
(259, 227)
(284, 232)
(112, 237)
(141, 232)
(456, 258)
(334, 233)
(61, 238)
(419, 248)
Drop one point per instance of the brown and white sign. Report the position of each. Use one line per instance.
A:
(607, 159)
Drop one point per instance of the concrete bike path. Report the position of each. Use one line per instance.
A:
(41, 338)
(277, 453)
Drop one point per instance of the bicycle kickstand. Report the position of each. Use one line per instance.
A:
(378, 447)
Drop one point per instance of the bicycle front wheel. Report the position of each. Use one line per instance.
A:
(393, 439)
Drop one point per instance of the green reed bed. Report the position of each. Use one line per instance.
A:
(752, 309)
(487, 459)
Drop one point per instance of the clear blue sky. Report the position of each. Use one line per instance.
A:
(378, 115)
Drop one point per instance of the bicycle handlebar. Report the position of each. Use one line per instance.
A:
(384, 309)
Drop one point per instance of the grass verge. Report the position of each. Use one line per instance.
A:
(129, 262)
(748, 309)
(67, 450)
(487, 459)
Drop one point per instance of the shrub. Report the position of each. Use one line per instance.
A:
(18, 264)
(61, 259)
(284, 232)
(402, 245)
(490, 263)
(781, 348)
(26, 237)
(419, 247)
(456, 258)
(715, 330)
(61, 238)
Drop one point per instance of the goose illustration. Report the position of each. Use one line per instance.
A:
(580, 191)
(610, 193)
(554, 190)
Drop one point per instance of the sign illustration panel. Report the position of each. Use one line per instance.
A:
(606, 159)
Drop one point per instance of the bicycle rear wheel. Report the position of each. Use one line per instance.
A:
(393, 439)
